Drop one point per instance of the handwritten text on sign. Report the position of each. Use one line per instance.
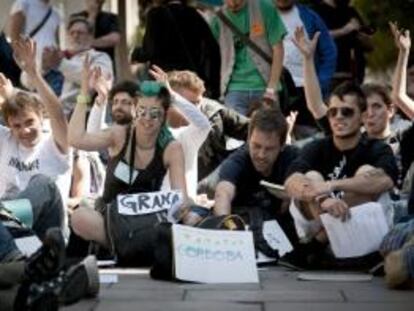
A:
(148, 203)
(214, 256)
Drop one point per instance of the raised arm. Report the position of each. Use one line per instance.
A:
(313, 94)
(96, 120)
(196, 119)
(399, 90)
(25, 54)
(78, 137)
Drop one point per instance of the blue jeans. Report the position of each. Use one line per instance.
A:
(241, 100)
(47, 208)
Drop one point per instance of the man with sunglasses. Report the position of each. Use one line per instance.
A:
(335, 173)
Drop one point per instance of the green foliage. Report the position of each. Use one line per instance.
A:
(378, 14)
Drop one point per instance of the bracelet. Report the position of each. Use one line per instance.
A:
(83, 99)
(270, 90)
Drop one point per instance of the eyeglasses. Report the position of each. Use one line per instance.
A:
(151, 113)
(345, 112)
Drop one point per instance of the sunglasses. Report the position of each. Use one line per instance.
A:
(345, 112)
(152, 113)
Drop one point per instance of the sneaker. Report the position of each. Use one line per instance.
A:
(399, 266)
(80, 281)
(48, 260)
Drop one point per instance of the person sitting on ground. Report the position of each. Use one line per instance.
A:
(105, 24)
(70, 62)
(187, 123)
(335, 173)
(145, 149)
(226, 122)
(35, 165)
(264, 157)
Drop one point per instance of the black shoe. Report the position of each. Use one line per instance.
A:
(80, 281)
(48, 260)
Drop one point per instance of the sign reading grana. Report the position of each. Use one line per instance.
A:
(148, 203)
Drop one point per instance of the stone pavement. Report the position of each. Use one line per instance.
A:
(278, 290)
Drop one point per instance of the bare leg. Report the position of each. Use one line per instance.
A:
(89, 224)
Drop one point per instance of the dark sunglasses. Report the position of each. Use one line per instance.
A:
(153, 113)
(346, 112)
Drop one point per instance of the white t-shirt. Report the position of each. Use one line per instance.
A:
(35, 11)
(191, 138)
(18, 164)
(293, 59)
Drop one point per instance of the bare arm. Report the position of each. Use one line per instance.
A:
(78, 137)
(224, 195)
(399, 89)
(109, 40)
(352, 25)
(313, 94)
(25, 52)
(16, 25)
(174, 160)
(372, 182)
(277, 65)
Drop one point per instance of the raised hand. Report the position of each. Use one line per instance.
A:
(402, 37)
(306, 47)
(24, 50)
(86, 75)
(6, 87)
(160, 76)
(100, 84)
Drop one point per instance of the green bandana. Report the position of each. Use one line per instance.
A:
(150, 88)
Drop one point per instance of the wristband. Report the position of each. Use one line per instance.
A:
(83, 99)
(270, 90)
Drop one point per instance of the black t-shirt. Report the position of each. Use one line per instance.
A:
(335, 18)
(238, 169)
(105, 23)
(177, 37)
(322, 156)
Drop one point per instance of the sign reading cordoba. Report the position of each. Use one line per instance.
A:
(149, 202)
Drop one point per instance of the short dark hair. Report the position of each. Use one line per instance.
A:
(127, 86)
(20, 102)
(269, 120)
(80, 19)
(381, 90)
(352, 89)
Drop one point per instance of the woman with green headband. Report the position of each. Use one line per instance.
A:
(140, 156)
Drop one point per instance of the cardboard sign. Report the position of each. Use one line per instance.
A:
(149, 202)
(214, 256)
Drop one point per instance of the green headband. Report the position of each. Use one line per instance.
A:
(150, 88)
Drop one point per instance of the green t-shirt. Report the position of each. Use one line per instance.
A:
(245, 75)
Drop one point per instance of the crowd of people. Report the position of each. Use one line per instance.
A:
(226, 95)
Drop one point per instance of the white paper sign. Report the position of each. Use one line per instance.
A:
(214, 256)
(149, 202)
(28, 245)
(361, 234)
(276, 237)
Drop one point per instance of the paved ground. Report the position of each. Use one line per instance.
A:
(278, 290)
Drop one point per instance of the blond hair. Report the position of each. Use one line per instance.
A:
(186, 79)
